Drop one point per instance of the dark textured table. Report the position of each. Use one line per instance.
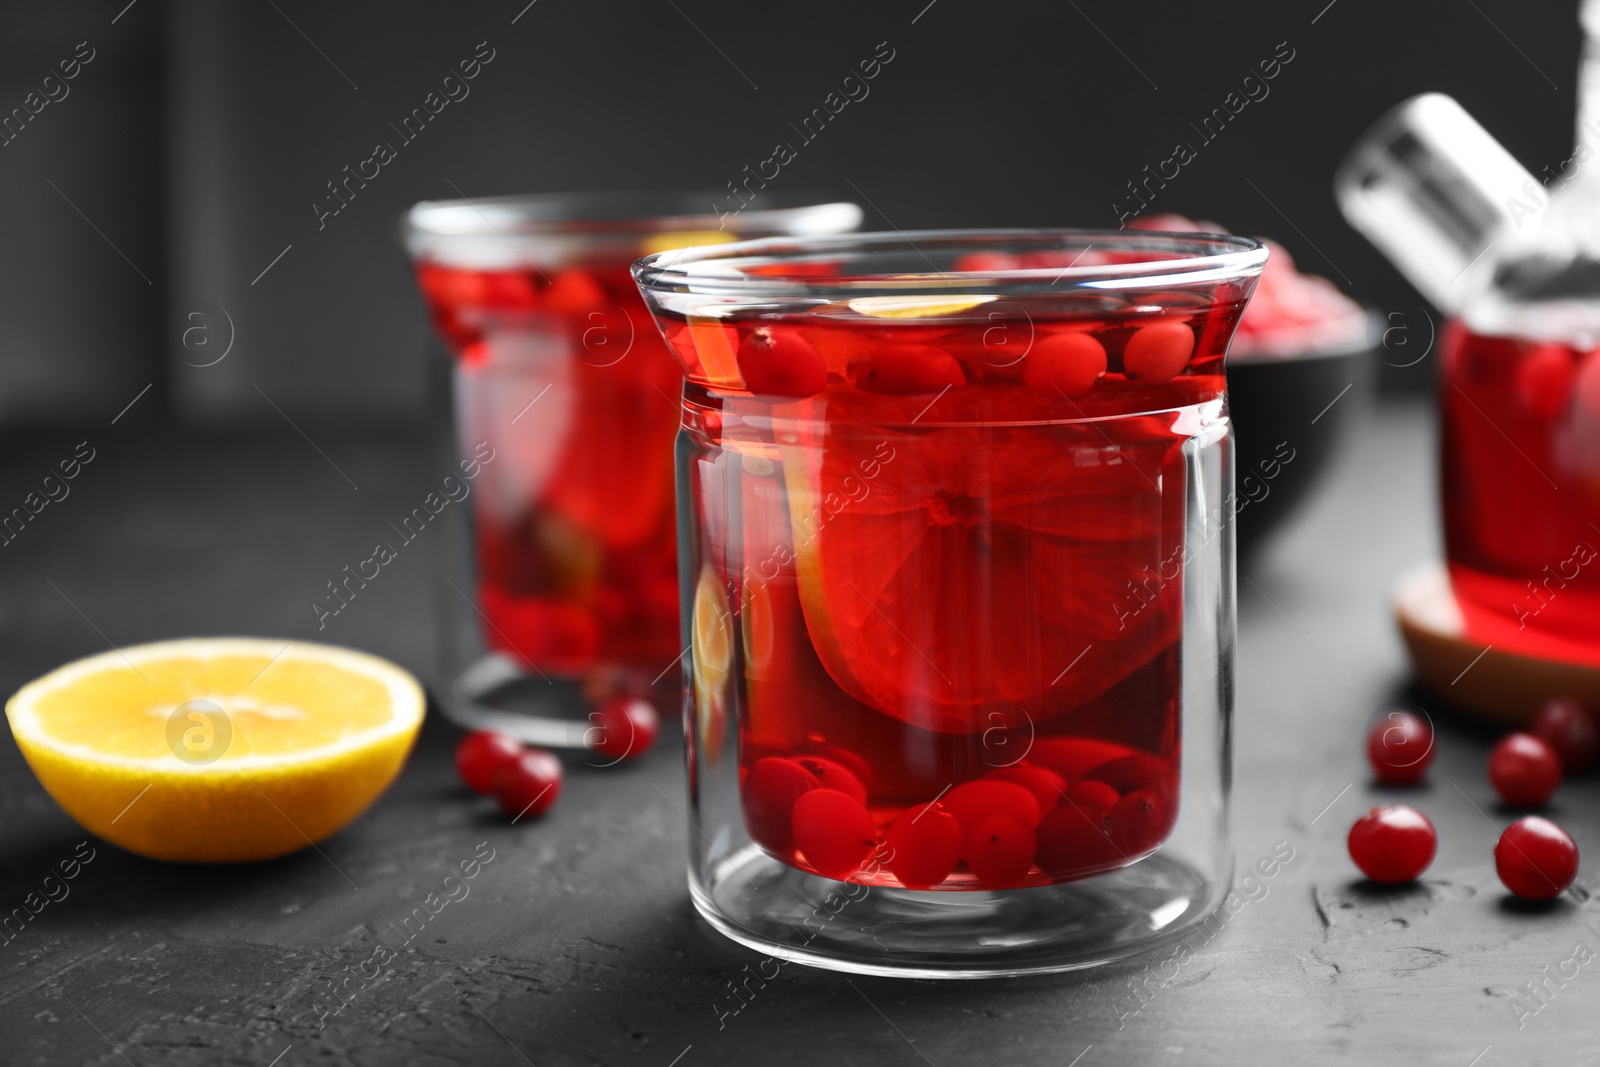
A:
(577, 943)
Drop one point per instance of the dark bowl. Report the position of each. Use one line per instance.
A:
(1290, 414)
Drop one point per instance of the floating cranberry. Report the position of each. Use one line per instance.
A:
(1536, 859)
(1068, 362)
(1076, 839)
(624, 727)
(480, 754)
(1139, 771)
(1400, 747)
(1074, 757)
(1544, 379)
(1570, 729)
(1159, 351)
(834, 832)
(831, 775)
(778, 362)
(528, 784)
(1393, 844)
(1524, 770)
(1094, 794)
(904, 370)
(1046, 786)
(770, 792)
(1000, 851)
(924, 846)
(973, 802)
(1140, 822)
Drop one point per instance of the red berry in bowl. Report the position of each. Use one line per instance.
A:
(1572, 730)
(624, 727)
(480, 754)
(1400, 747)
(834, 832)
(1393, 844)
(924, 846)
(1525, 771)
(1000, 851)
(1536, 859)
(778, 362)
(529, 784)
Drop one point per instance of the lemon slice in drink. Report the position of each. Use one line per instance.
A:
(670, 239)
(916, 307)
(711, 652)
(217, 749)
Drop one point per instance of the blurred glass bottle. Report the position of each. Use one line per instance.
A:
(1515, 262)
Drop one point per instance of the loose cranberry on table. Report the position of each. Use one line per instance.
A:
(1524, 770)
(1536, 859)
(528, 784)
(1572, 730)
(480, 754)
(1393, 844)
(624, 727)
(1400, 747)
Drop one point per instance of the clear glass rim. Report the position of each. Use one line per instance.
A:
(622, 212)
(726, 269)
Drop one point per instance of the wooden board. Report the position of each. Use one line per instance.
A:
(1492, 683)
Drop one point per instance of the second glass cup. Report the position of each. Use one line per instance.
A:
(957, 565)
(564, 405)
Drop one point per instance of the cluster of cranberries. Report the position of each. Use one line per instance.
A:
(1002, 825)
(778, 361)
(1535, 858)
(526, 781)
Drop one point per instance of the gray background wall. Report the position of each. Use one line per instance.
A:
(201, 134)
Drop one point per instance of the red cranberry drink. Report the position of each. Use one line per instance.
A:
(938, 547)
(566, 397)
(573, 516)
(1520, 422)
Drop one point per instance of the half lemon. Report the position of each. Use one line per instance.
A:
(218, 749)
